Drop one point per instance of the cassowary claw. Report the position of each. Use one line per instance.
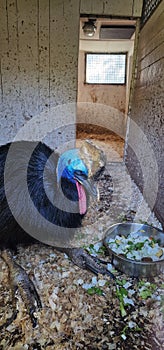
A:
(19, 280)
(84, 260)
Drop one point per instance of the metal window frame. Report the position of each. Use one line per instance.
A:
(106, 53)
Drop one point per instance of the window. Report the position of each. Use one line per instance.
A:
(105, 68)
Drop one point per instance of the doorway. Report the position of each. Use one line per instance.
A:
(104, 75)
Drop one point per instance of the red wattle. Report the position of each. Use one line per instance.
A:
(82, 198)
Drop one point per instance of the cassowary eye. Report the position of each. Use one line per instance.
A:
(80, 173)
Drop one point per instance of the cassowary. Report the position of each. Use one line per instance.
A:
(44, 196)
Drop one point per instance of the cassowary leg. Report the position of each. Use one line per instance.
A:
(84, 260)
(19, 279)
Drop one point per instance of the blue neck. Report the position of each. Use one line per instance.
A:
(66, 174)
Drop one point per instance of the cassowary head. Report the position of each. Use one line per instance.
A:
(80, 166)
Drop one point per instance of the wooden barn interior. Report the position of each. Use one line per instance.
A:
(47, 94)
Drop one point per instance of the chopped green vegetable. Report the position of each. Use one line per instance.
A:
(125, 329)
(121, 283)
(141, 283)
(121, 292)
(146, 289)
(95, 290)
(137, 246)
(102, 250)
(130, 325)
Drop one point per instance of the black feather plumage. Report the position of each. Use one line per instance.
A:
(36, 163)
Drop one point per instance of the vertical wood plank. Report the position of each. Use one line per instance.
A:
(3, 27)
(64, 42)
(28, 56)
(3, 43)
(10, 72)
(137, 8)
(43, 53)
(104, 7)
(118, 8)
(64, 39)
(86, 6)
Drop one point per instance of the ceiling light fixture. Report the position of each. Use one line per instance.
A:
(89, 28)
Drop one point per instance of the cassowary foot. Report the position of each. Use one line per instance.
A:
(84, 260)
(19, 279)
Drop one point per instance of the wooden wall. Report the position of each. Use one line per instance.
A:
(39, 42)
(38, 60)
(126, 8)
(145, 154)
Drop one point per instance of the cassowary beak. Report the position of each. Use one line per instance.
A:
(89, 185)
(91, 188)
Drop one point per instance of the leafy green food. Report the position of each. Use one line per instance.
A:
(146, 290)
(95, 290)
(121, 292)
(137, 246)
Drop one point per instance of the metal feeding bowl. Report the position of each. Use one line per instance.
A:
(146, 268)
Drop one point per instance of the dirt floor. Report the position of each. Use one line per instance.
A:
(80, 311)
(112, 144)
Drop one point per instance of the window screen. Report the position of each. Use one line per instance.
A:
(149, 6)
(105, 68)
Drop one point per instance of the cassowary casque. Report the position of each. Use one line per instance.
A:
(44, 197)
